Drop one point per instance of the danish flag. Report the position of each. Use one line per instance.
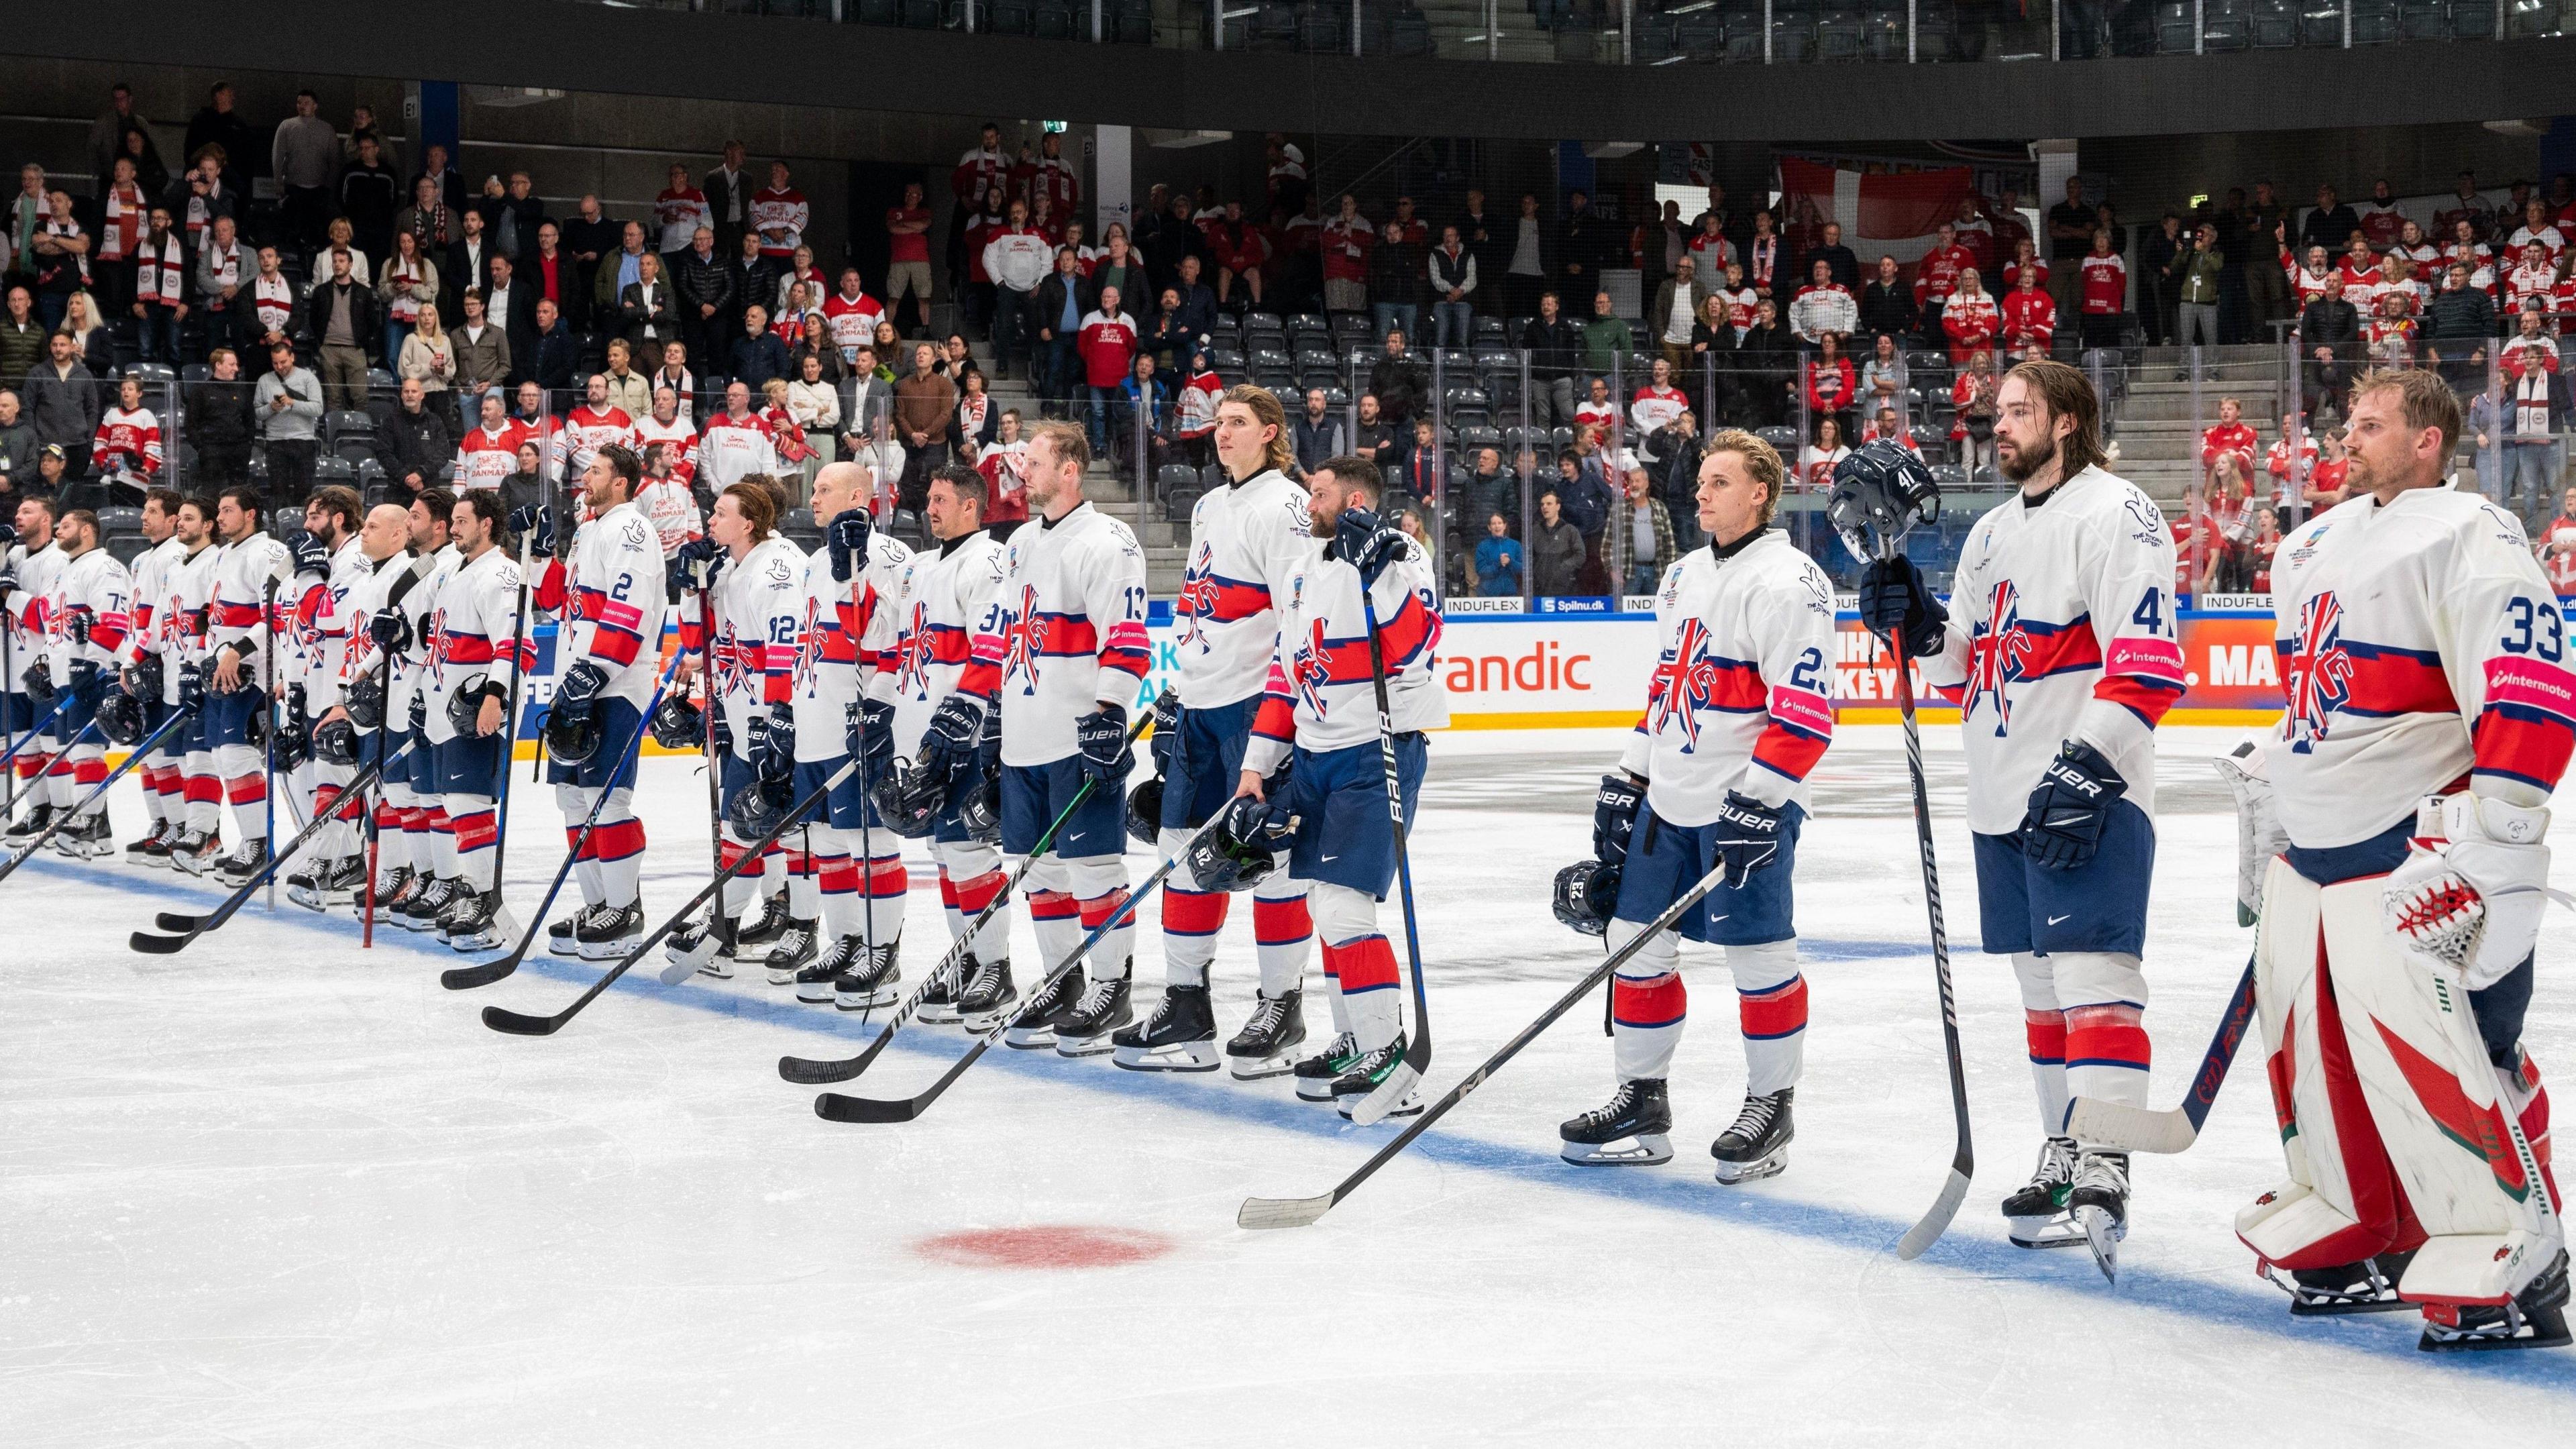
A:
(2319, 679)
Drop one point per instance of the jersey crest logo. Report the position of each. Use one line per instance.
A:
(1996, 657)
(736, 663)
(1309, 671)
(1684, 684)
(809, 646)
(2319, 678)
(1024, 639)
(912, 653)
(1198, 594)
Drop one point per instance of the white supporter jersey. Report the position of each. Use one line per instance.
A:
(419, 605)
(614, 603)
(2420, 645)
(2062, 627)
(760, 601)
(845, 634)
(672, 511)
(584, 433)
(243, 573)
(474, 614)
(179, 619)
(151, 596)
(732, 449)
(939, 602)
(29, 607)
(1322, 678)
(1248, 541)
(1739, 699)
(1069, 635)
(92, 595)
(679, 442)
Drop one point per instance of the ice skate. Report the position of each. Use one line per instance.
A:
(1267, 1045)
(1633, 1129)
(1757, 1146)
(1179, 1037)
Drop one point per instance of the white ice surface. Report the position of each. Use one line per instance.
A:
(276, 1191)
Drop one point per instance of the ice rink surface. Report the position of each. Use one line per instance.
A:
(277, 1191)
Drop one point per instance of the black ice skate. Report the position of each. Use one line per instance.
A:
(475, 921)
(327, 883)
(154, 848)
(2369, 1286)
(795, 949)
(981, 1001)
(605, 932)
(1633, 1129)
(939, 996)
(705, 944)
(1034, 1029)
(2099, 1202)
(559, 936)
(2037, 1211)
(1090, 1028)
(2536, 1318)
(421, 909)
(1267, 1045)
(1179, 1037)
(1316, 1074)
(869, 978)
(814, 983)
(754, 938)
(195, 852)
(237, 868)
(86, 838)
(1757, 1146)
(1367, 1074)
(393, 883)
(28, 826)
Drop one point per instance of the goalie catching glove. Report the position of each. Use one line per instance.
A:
(2470, 900)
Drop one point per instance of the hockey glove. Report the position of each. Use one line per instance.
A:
(1894, 598)
(1746, 836)
(2071, 807)
(871, 736)
(578, 687)
(2259, 835)
(1614, 817)
(8, 540)
(391, 630)
(39, 684)
(698, 551)
(192, 689)
(2470, 902)
(1366, 544)
(955, 729)
(536, 526)
(773, 743)
(1102, 734)
(849, 544)
(85, 678)
(420, 714)
(310, 554)
(1165, 742)
(719, 728)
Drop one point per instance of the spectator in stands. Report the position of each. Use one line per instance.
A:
(2330, 226)
(2267, 297)
(1584, 493)
(431, 226)
(1606, 338)
(1419, 473)
(1713, 338)
(649, 310)
(1676, 311)
(908, 256)
(1525, 269)
(977, 420)
(1833, 387)
(63, 399)
(1555, 346)
(1142, 397)
(1398, 380)
(1883, 377)
(2194, 272)
(406, 286)
(1822, 306)
(557, 349)
(221, 422)
(1496, 572)
(923, 404)
(1488, 490)
(2105, 289)
(90, 335)
(1651, 547)
(1972, 425)
(1017, 257)
(1197, 312)
(1843, 267)
(1194, 410)
(1817, 461)
(1397, 265)
(413, 442)
(1557, 556)
(1317, 432)
(1672, 457)
(288, 405)
(1970, 317)
(758, 357)
(428, 357)
(1887, 306)
(1453, 286)
(55, 256)
(1373, 437)
(1108, 344)
(482, 355)
(2070, 235)
(618, 271)
(1488, 238)
(22, 337)
(2330, 330)
(1582, 240)
(469, 260)
(814, 403)
(18, 445)
(157, 287)
(1171, 334)
(2535, 423)
(511, 305)
(2557, 548)
(589, 239)
(341, 316)
(370, 194)
(2157, 285)
(2230, 437)
(1767, 358)
(1056, 311)
(2028, 316)
(704, 284)
(526, 487)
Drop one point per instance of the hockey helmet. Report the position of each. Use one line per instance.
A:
(149, 682)
(908, 800)
(678, 724)
(572, 738)
(1145, 811)
(465, 706)
(365, 702)
(759, 809)
(1242, 849)
(335, 742)
(1586, 892)
(1884, 488)
(979, 809)
(120, 718)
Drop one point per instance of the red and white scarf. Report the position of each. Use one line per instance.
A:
(123, 222)
(161, 279)
(272, 300)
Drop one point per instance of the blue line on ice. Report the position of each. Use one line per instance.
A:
(2180, 1295)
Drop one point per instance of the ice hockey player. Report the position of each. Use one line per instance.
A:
(941, 598)
(2065, 654)
(2431, 713)
(417, 877)
(87, 616)
(26, 582)
(1249, 540)
(758, 581)
(329, 562)
(465, 709)
(385, 576)
(150, 663)
(240, 644)
(603, 582)
(1319, 719)
(189, 591)
(1061, 659)
(846, 879)
(1715, 775)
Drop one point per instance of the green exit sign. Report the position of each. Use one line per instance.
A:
(1051, 127)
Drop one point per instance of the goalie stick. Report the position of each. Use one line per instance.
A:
(1297, 1212)
(1407, 1073)
(806, 1071)
(2120, 1128)
(835, 1107)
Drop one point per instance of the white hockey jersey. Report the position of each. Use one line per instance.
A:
(29, 607)
(941, 600)
(2420, 647)
(1739, 698)
(368, 595)
(473, 614)
(236, 614)
(151, 598)
(320, 628)
(179, 623)
(419, 605)
(1248, 540)
(732, 449)
(1321, 691)
(612, 606)
(760, 602)
(88, 614)
(2062, 626)
(584, 432)
(1069, 635)
(843, 636)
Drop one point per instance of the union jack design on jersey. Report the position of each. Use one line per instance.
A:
(1207, 598)
(1308, 671)
(1692, 679)
(1023, 640)
(2319, 677)
(912, 651)
(1999, 655)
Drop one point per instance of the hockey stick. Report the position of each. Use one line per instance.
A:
(805, 1071)
(52, 827)
(719, 923)
(2118, 1128)
(1963, 1158)
(269, 701)
(517, 1023)
(835, 1107)
(189, 927)
(1296, 1212)
(466, 978)
(375, 831)
(31, 736)
(1407, 1074)
(510, 735)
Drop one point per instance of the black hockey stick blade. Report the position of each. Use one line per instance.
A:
(836, 1107)
(191, 927)
(466, 978)
(152, 945)
(2123, 1128)
(519, 1023)
(807, 1072)
(179, 921)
